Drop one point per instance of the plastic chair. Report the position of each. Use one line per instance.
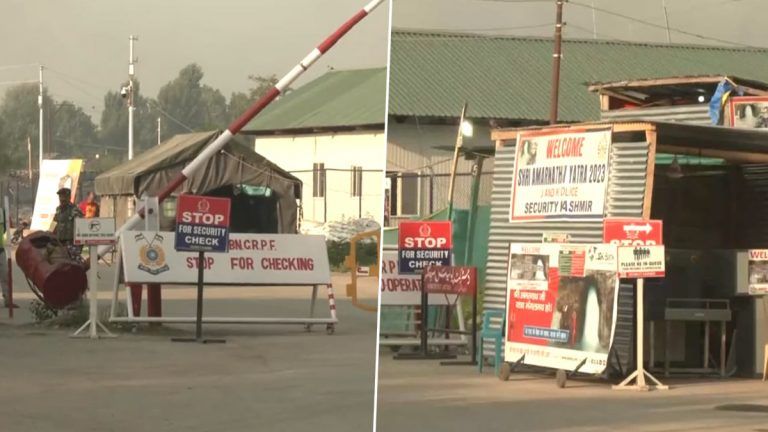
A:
(496, 334)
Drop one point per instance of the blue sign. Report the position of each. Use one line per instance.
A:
(202, 224)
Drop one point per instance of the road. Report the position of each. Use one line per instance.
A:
(276, 378)
(422, 395)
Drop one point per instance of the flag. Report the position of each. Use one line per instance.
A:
(718, 100)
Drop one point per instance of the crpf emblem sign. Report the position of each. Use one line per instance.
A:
(202, 224)
(422, 244)
(151, 254)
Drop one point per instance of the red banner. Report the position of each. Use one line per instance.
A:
(459, 280)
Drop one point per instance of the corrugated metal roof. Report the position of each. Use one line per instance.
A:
(338, 99)
(433, 73)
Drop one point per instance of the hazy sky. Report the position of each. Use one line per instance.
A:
(736, 20)
(85, 42)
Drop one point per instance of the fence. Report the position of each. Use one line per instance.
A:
(333, 194)
(412, 195)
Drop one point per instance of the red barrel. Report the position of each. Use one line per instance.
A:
(60, 280)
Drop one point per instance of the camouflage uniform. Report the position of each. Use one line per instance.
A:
(65, 226)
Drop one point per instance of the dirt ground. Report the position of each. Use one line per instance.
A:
(422, 395)
(265, 377)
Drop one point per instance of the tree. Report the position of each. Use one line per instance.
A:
(239, 102)
(73, 133)
(182, 99)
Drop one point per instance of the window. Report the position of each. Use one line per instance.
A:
(404, 193)
(357, 181)
(318, 180)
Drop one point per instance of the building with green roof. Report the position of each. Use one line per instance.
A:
(506, 82)
(330, 134)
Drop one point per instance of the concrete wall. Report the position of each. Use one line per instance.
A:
(339, 151)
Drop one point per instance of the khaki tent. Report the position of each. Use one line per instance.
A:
(264, 196)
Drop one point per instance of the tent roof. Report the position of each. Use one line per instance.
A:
(175, 152)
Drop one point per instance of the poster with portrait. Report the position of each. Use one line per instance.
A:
(749, 112)
(561, 303)
(560, 175)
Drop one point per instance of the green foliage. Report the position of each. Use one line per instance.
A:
(183, 103)
(367, 253)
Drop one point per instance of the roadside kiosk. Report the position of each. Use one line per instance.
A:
(707, 186)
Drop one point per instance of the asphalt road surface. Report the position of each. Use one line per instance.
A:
(265, 377)
(422, 395)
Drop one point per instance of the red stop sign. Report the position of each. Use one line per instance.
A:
(631, 232)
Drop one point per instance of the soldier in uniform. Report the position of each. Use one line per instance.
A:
(66, 213)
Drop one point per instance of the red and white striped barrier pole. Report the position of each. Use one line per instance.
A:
(249, 114)
(10, 288)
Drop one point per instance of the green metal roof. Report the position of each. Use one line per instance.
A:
(336, 100)
(433, 73)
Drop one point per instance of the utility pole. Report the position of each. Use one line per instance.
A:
(131, 72)
(158, 131)
(455, 163)
(556, 62)
(29, 154)
(40, 106)
(594, 21)
(666, 20)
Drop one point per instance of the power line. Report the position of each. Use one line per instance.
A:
(17, 66)
(651, 24)
(523, 27)
(174, 119)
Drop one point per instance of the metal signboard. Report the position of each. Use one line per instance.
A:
(94, 231)
(641, 261)
(422, 244)
(560, 175)
(202, 224)
(458, 280)
(252, 259)
(632, 232)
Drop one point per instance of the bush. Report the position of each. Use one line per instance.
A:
(367, 253)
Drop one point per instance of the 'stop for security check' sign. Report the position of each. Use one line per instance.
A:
(423, 243)
(202, 224)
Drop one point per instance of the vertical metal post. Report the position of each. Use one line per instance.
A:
(640, 334)
(131, 72)
(40, 106)
(159, 128)
(10, 288)
(200, 278)
(29, 154)
(666, 20)
(360, 194)
(325, 194)
(456, 149)
(556, 63)
(93, 280)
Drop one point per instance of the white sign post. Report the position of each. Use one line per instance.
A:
(641, 262)
(92, 233)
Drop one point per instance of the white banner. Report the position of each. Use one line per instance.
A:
(560, 175)
(54, 175)
(404, 289)
(253, 259)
